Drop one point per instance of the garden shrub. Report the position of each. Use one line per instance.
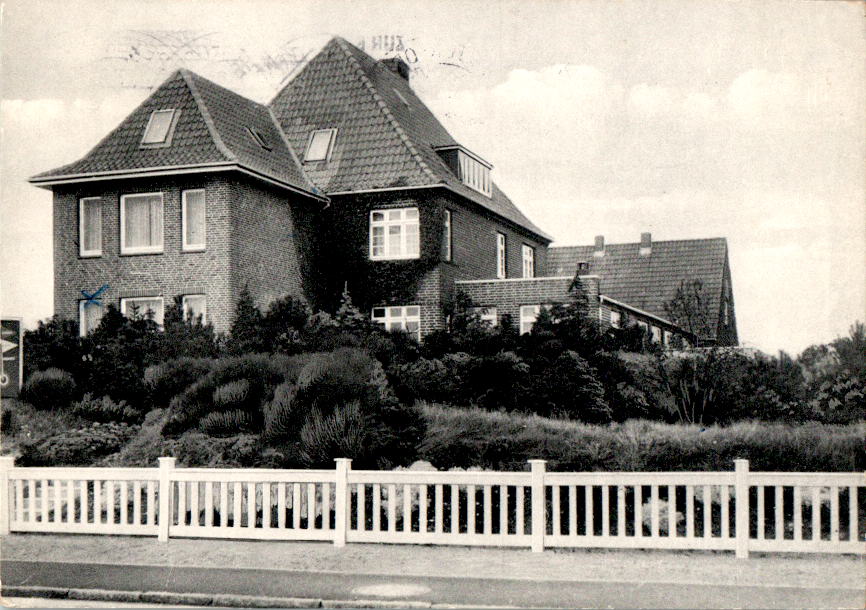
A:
(226, 423)
(234, 394)
(145, 447)
(55, 343)
(49, 389)
(167, 379)
(76, 447)
(283, 417)
(840, 399)
(196, 449)
(8, 423)
(342, 433)
(104, 410)
(570, 387)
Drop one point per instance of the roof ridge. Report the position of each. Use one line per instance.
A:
(383, 106)
(654, 242)
(205, 113)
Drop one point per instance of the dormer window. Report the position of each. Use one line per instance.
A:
(320, 145)
(159, 128)
(472, 170)
(258, 138)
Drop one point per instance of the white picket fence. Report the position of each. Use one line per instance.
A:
(741, 511)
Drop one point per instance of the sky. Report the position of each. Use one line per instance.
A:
(744, 120)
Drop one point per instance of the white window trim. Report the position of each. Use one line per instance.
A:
(169, 134)
(387, 223)
(82, 304)
(615, 323)
(327, 156)
(124, 303)
(81, 251)
(488, 314)
(449, 249)
(404, 318)
(187, 247)
(528, 255)
(186, 307)
(501, 256)
(140, 249)
(523, 319)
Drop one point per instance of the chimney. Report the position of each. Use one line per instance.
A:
(397, 66)
(646, 244)
(599, 246)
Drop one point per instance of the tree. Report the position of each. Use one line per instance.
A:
(851, 350)
(690, 309)
(246, 333)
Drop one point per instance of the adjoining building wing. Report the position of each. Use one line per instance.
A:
(383, 135)
(646, 275)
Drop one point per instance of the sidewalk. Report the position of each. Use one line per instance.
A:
(446, 574)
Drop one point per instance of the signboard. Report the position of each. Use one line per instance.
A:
(12, 366)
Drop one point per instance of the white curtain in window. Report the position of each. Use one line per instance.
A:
(195, 218)
(143, 219)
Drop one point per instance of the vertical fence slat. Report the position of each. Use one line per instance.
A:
(779, 521)
(726, 518)
(326, 505)
(503, 510)
(224, 504)
(136, 503)
(422, 508)
(124, 502)
(311, 506)
(266, 505)
(237, 499)
(151, 502)
(58, 501)
(587, 510)
(555, 500)
(816, 513)
(620, 510)
(19, 500)
(470, 509)
(455, 509)
(438, 509)
(488, 510)
(638, 510)
(392, 508)
(362, 507)
(296, 506)
(834, 514)
(605, 510)
(761, 512)
(109, 502)
(377, 507)
(97, 502)
(853, 526)
(194, 508)
(708, 511)
(44, 500)
(181, 502)
(407, 507)
(672, 511)
(281, 505)
(209, 504)
(31, 501)
(521, 508)
(572, 510)
(690, 511)
(654, 511)
(251, 504)
(798, 513)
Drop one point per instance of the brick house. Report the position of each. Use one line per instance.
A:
(344, 178)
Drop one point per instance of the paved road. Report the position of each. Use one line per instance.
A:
(473, 591)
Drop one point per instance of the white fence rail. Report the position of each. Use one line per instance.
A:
(741, 511)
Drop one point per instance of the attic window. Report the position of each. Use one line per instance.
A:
(259, 139)
(159, 127)
(472, 170)
(320, 145)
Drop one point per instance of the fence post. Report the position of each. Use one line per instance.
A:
(742, 507)
(341, 500)
(539, 521)
(7, 463)
(166, 465)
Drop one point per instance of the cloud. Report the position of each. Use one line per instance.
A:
(650, 100)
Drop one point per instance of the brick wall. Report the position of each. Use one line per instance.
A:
(271, 241)
(171, 273)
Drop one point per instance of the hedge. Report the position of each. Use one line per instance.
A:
(504, 441)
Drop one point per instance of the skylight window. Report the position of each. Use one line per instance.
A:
(320, 145)
(158, 130)
(258, 138)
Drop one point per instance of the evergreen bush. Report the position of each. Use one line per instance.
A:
(49, 389)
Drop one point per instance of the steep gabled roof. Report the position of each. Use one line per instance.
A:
(211, 132)
(648, 282)
(386, 135)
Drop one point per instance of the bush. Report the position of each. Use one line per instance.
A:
(8, 424)
(49, 389)
(342, 433)
(55, 343)
(166, 380)
(283, 417)
(195, 449)
(76, 447)
(472, 437)
(145, 447)
(226, 423)
(104, 410)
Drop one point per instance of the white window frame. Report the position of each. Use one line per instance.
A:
(449, 251)
(186, 306)
(169, 133)
(657, 334)
(186, 246)
(404, 223)
(82, 305)
(398, 316)
(330, 149)
(615, 319)
(81, 251)
(152, 249)
(528, 254)
(526, 323)
(487, 314)
(125, 303)
(474, 174)
(501, 258)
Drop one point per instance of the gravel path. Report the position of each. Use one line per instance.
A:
(582, 565)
